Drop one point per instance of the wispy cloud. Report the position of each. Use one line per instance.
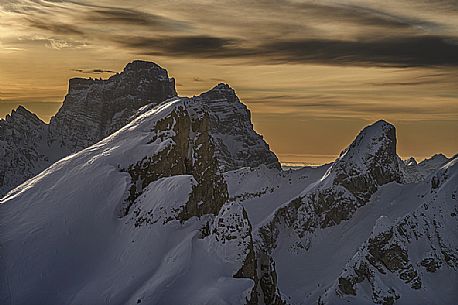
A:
(383, 51)
(93, 71)
(333, 33)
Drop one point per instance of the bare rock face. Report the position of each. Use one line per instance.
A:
(236, 143)
(93, 109)
(211, 133)
(189, 151)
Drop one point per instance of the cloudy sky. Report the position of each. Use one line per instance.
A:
(312, 72)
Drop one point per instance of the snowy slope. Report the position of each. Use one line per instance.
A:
(66, 238)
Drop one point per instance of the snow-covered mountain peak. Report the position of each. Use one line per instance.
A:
(373, 140)
(347, 186)
(415, 172)
(370, 161)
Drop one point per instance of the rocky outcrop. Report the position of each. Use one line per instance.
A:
(189, 151)
(202, 145)
(93, 109)
(236, 143)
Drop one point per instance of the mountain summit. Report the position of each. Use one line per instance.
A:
(93, 109)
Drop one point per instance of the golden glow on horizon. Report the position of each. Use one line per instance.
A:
(312, 74)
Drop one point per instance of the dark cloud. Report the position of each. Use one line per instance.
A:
(198, 46)
(53, 27)
(383, 37)
(363, 16)
(360, 15)
(385, 51)
(133, 17)
(93, 71)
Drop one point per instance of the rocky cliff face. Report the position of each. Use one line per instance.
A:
(188, 150)
(93, 109)
(237, 144)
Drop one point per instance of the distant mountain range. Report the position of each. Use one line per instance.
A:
(134, 195)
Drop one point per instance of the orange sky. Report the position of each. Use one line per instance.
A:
(312, 74)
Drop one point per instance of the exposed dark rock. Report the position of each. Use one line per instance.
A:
(93, 108)
(191, 153)
(231, 119)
